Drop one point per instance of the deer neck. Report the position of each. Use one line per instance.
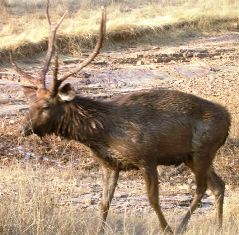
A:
(84, 122)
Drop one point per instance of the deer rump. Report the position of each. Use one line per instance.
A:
(160, 127)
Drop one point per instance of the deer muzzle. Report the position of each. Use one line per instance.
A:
(26, 130)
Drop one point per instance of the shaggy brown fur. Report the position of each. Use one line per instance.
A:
(140, 131)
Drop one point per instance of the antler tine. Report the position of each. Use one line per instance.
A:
(26, 77)
(55, 74)
(51, 42)
(47, 13)
(95, 51)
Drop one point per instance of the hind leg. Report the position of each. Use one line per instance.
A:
(199, 165)
(217, 186)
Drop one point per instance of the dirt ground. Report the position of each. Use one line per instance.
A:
(205, 66)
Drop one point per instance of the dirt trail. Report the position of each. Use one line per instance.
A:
(207, 67)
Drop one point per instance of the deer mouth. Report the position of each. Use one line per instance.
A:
(26, 130)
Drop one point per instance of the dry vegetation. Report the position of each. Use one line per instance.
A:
(39, 178)
(36, 199)
(23, 25)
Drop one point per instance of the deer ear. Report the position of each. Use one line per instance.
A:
(30, 92)
(67, 92)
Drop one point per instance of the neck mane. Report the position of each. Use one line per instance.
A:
(84, 120)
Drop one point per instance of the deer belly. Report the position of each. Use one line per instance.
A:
(116, 158)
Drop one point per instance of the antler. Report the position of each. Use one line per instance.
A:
(55, 75)
(51, 44)
(41, 82)
(50, 51)
(26, 77)
(91, 57)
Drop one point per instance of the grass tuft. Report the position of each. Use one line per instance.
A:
(26, 31)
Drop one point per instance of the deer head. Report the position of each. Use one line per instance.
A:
(47, 104)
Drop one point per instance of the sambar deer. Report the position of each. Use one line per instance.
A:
(138, 131)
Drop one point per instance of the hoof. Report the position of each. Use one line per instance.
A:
(168, 231)
(180, 229)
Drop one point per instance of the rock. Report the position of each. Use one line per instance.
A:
(201, 54)
(163, 59)
(140, 56)
(100, 62)
(140, 62)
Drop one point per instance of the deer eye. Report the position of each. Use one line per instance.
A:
(45, 107)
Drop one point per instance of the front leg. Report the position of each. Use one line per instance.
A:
(110, 178)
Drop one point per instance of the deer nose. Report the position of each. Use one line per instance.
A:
(26, 130)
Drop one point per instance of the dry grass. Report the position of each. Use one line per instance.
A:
(36, 195)
(31, 202)
(37, 200)
(24, 26)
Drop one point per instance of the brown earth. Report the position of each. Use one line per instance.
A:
(206, 66)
